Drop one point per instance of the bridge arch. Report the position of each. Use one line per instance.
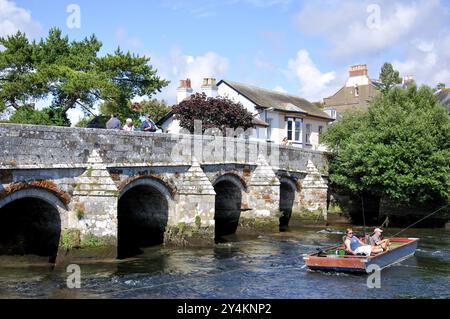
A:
(31, 221)
(230, 190)
(233, 178)
(288, 194)
(144, 208)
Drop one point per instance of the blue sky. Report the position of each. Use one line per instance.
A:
(302, 47)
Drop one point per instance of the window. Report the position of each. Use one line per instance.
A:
(320, 133)
(289, 129)
(294, 129)
(356, 90)
(298, 129)
(308, 134)
(269, 129)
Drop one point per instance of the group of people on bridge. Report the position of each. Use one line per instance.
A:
(147, 125)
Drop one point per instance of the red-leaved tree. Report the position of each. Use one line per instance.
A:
(219, 112)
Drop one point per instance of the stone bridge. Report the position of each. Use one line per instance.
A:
(62, 188)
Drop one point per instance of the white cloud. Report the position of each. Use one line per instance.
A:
(416, 33)
(350, 28)
(178, 66)
(14, 18)
(314, 85)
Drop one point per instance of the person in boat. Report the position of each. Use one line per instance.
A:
(377, 239)
(354, 246)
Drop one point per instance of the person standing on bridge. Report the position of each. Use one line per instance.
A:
(148, 125)
(128, 127)
(114, 122)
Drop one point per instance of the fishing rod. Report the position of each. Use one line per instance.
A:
(364, 216)
(401, 231)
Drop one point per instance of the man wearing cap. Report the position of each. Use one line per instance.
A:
(377, 239)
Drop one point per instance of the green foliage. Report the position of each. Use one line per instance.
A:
(198, 221)
(389, 77)
(70, 239)
(440, 86)
(46, 116)
(155, 108)
(398, 148)
(92, 241)
(219, 112)
(71, 72)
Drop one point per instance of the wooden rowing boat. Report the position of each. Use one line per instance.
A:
(327, 259)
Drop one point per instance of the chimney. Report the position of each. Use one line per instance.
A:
(358, 70)
(408, 80)
(209, 87)
(184, 90)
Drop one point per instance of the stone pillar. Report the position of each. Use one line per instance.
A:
(263, 198)
(313, 195)
(194, 221)
(94, 204)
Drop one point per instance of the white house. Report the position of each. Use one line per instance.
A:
(276, 115)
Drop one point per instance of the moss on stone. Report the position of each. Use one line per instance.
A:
(80, 210)
(89, 172)
(185, 235)
(198, 221)
(92, 241)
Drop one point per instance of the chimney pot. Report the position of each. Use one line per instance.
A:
(358, 70)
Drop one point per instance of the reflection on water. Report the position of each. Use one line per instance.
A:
(250, 266)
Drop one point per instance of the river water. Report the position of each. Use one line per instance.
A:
(247, 266)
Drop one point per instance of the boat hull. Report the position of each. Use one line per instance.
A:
(363, 264)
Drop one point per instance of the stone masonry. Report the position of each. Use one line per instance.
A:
(85, 172)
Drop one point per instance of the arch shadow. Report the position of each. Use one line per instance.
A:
(143, 212)
(228, 205)
(287, 199)
(31, 223)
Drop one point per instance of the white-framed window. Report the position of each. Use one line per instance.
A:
(308, 133)
(294, 129)
(298, 130)
(356, 90)
(290, 126)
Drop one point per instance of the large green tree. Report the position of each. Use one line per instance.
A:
(399, 148)
(71, 73)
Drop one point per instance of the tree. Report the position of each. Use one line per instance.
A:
(389, 77)
(156, 109)
(399, 148)
(440, 86)
(71, 73)
(46, 116)
(219, 112)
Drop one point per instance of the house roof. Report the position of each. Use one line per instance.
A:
(165, 118)
(279, 101)
(443, 96)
